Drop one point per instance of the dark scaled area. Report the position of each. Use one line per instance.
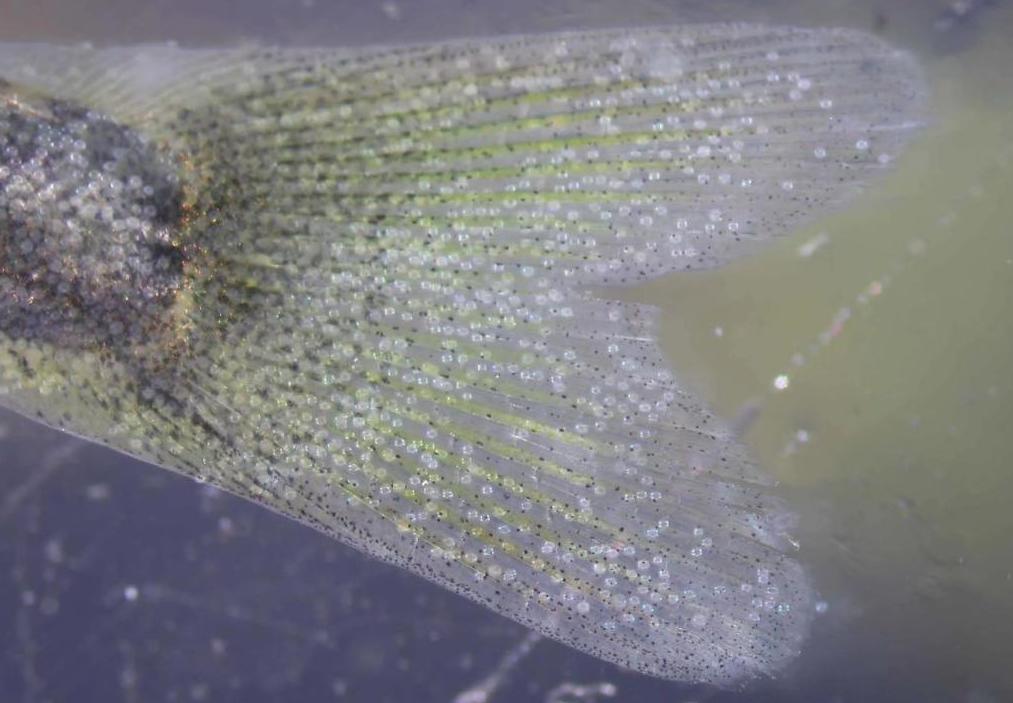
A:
(90, 256)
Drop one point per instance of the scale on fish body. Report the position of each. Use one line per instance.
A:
(91, 255)
(353, 287)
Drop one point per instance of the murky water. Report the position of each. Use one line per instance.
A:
(870, 351)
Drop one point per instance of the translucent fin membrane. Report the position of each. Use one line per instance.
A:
(385, 331)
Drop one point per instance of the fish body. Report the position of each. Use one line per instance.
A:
(353, 287)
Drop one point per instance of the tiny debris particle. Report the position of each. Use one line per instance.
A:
(391, 9)
(97, 492)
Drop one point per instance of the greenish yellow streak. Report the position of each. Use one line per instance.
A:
(464, 220)
(496, 447)
(536, 497)
(482, 535)
(423, 418)
(493, 127)
(285, 104)
(516, 519)
(516, 422)
(570, 168)
(517, 391)
(281, 95)
(311, 92)
(571, 196)
(421, 152)
(514, 453)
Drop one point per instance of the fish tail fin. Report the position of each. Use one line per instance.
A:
(412, 362)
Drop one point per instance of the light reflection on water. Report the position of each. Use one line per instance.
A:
(890, 341)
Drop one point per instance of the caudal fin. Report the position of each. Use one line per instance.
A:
(392, 340)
